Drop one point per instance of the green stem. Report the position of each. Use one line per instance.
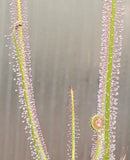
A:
(108, 85)
(25, 95)
(73, 124)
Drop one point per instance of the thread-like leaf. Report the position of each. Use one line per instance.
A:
(73, 131)
(111, 44)
(19, 32)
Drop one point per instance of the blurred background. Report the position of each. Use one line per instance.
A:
(65, 44)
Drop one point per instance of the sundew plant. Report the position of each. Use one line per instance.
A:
(104, 121)
(21, 54)
(73, 127)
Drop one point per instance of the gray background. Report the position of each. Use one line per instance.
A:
(65, 44)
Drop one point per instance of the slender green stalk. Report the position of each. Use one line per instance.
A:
(19, 45)
(108, 85)
(73, 123)
(34, 134)
(73, 130)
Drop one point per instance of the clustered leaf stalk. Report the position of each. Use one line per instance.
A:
(105, 120)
